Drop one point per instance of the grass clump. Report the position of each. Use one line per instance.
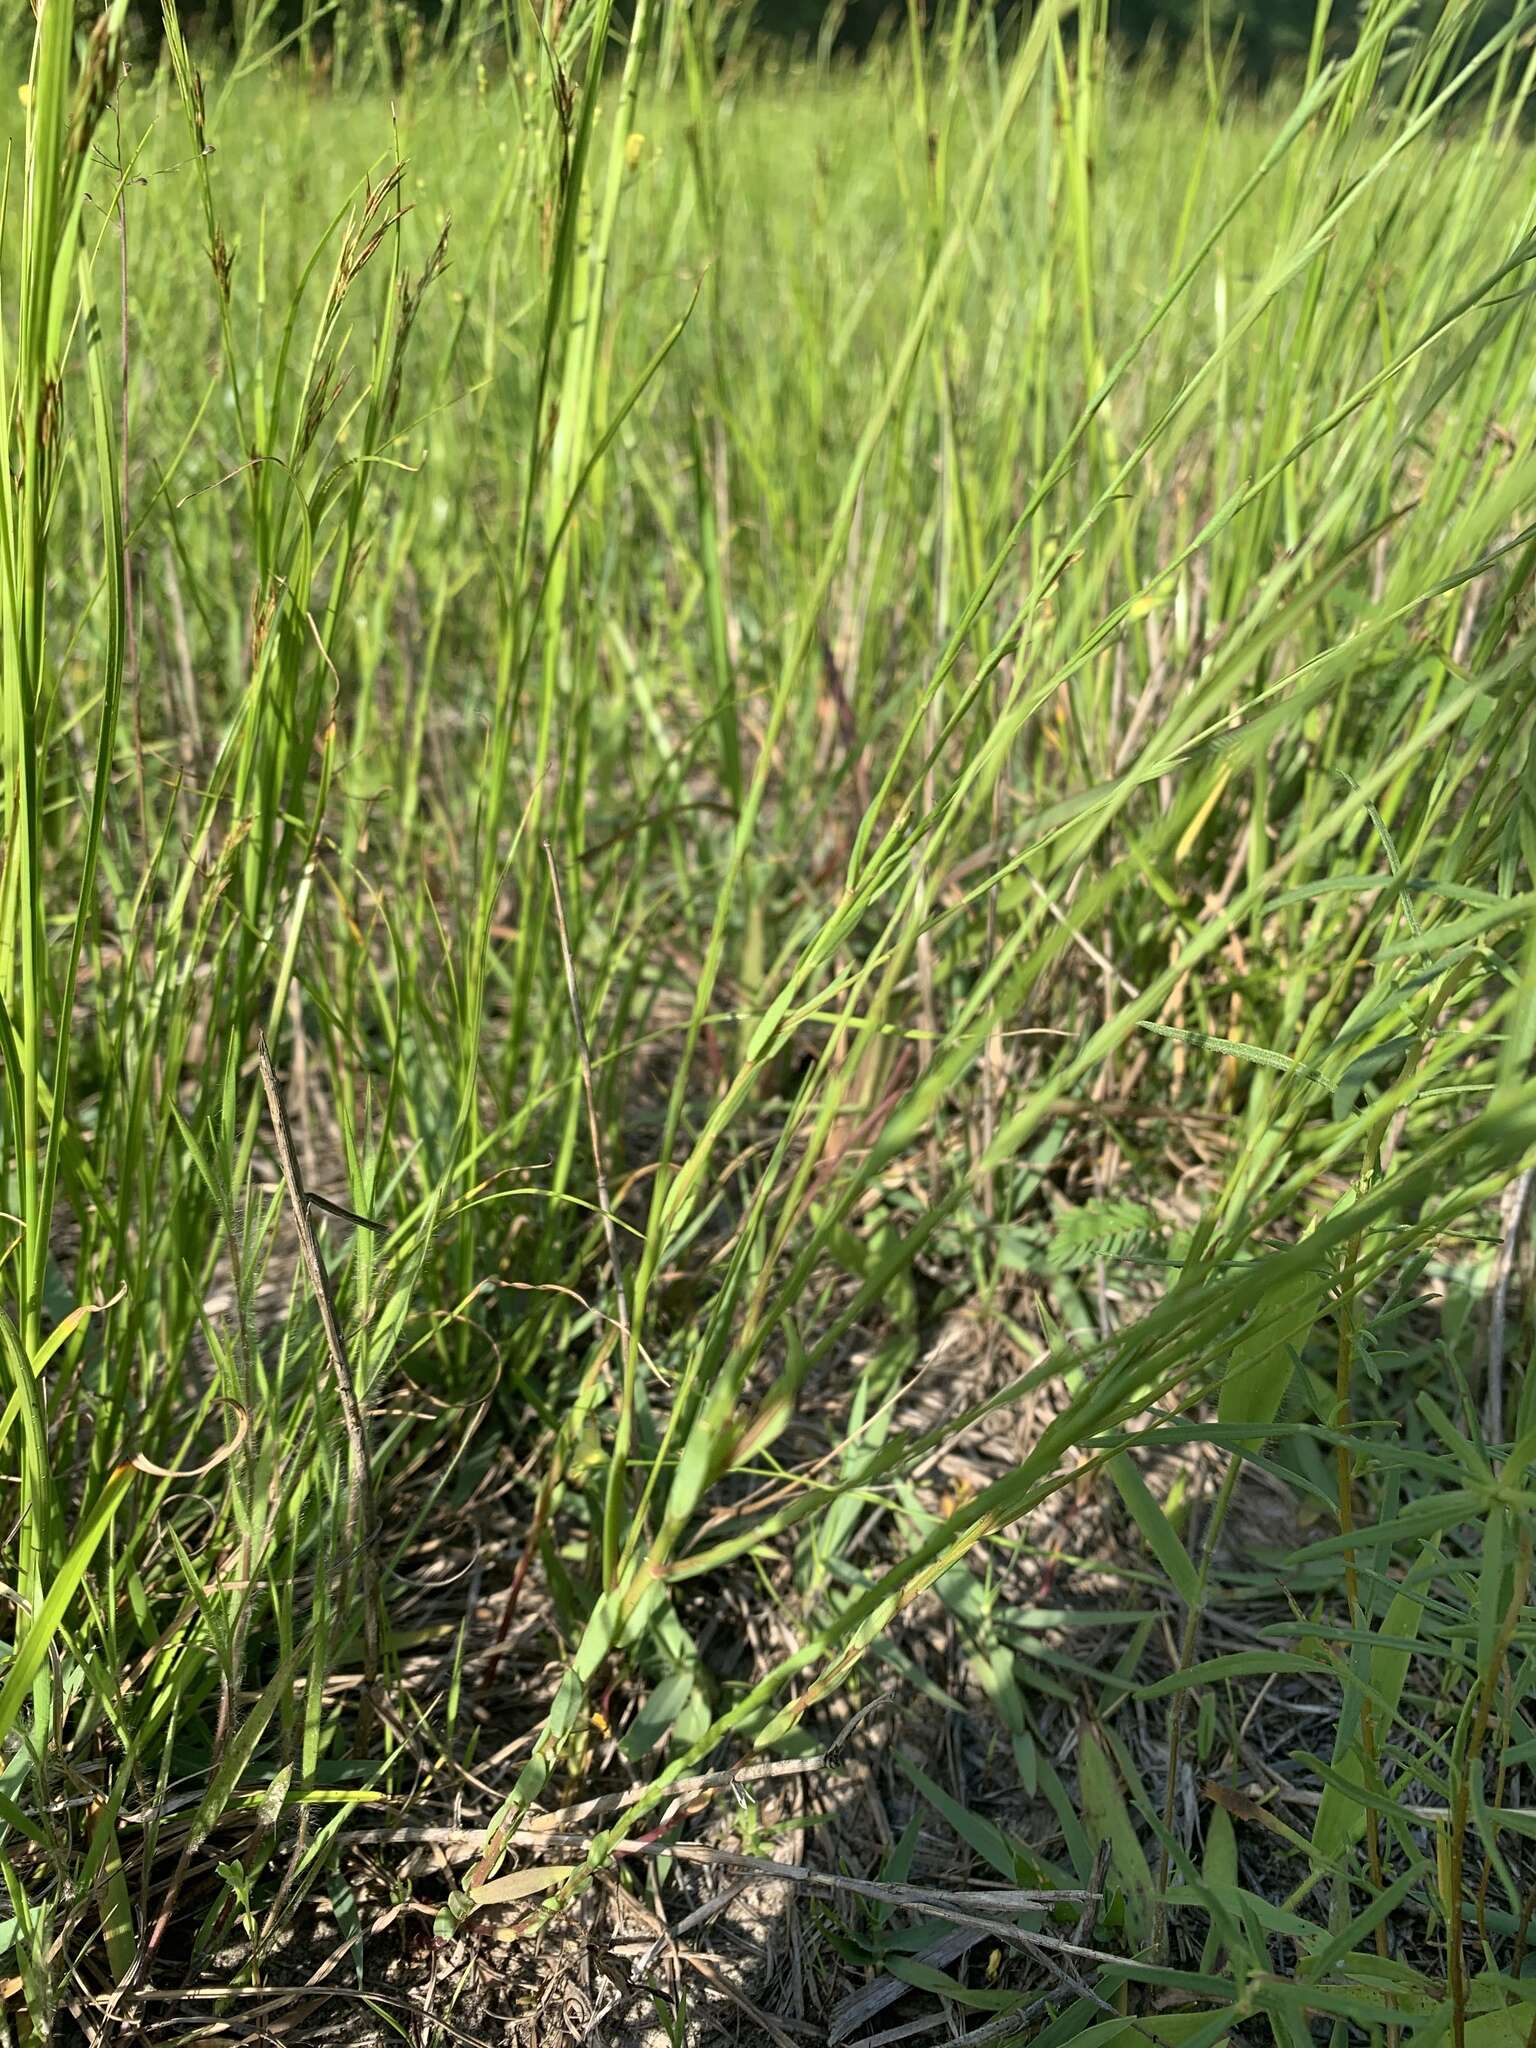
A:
(862, 741)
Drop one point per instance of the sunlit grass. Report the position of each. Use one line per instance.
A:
(1004, 587)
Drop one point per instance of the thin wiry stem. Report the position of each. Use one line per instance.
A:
(361, 1522)
(610, 1232)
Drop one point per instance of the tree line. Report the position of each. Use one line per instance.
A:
(1264, 35)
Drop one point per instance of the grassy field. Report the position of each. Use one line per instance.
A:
(863, 740)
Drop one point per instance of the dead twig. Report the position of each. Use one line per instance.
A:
(540, 1829)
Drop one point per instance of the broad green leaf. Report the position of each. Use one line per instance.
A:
(1161, 1538)
(1218, 1869)
(1255, 1382)
(974, 1829)
(1109, 1818)
(659, 1711)
(1339, 1821)
(1167, 2030)
(1237, 1664)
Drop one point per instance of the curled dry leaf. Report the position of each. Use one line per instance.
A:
(220, 1457)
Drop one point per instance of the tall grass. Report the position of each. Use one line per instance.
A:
(1003, 588)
